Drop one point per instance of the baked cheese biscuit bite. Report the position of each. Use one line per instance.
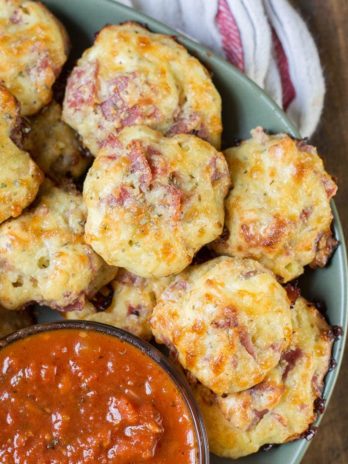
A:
(278, 211)
(229, 321)
(54, 145)
(283, 406)
(10, 321)
(44, 257)
(34, 47)
(126, 303)
(20, 177)
(133, 76)
(154, 201)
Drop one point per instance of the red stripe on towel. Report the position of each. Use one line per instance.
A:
(288, 89)
(231, 41)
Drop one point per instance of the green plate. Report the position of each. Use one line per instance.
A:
(245, 106)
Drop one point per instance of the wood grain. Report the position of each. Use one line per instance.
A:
(328, 22)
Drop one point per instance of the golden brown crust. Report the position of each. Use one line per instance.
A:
(20, 177)
(282, 407)
(326, 244)
(44, 257)
(229, 321)
(34, 47)
(153, 201)
(133, 76)
(278, 210)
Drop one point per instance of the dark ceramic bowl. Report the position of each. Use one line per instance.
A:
(160, 359)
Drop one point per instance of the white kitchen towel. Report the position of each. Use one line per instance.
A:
(265, 39)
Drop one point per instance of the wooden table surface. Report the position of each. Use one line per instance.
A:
(328, 22)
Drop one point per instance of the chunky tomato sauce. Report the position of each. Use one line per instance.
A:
(77, 396)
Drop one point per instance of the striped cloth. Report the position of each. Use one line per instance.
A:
(266, 39)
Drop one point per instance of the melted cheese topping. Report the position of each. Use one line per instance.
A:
(132, 76)
(33, 49)
(229, 321)
(278, 210)
(44, 257)
(154, 201)
(280, 408)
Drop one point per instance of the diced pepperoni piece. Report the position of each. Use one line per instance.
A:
(305, 213)
(216, 173)
(291, 357)
(122, 198)
(16, 17)
(139, 164)
(127, 278)
(293, 293)
(81, 86)
(132, 115)
(249, 274)
(329, 186)
(259, 415)
(111, 141)
(115, 106)
(158, 165)
(227, 320)
(121, 82)
(43, 62)
(178, 284)
(246, 342)
(186, 124)
(173, 201)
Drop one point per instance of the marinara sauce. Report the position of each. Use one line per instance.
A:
(82, 396)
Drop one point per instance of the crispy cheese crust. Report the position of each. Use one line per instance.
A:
(131, 306)
(229, 321)
(132, 76)
(282, 407)
(20, 177)
(10, 321)
(278, 210)
(34, 47)
(44, 257)
(154, 201)
(54, 145)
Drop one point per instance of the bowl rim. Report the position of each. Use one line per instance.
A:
(162, 361)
